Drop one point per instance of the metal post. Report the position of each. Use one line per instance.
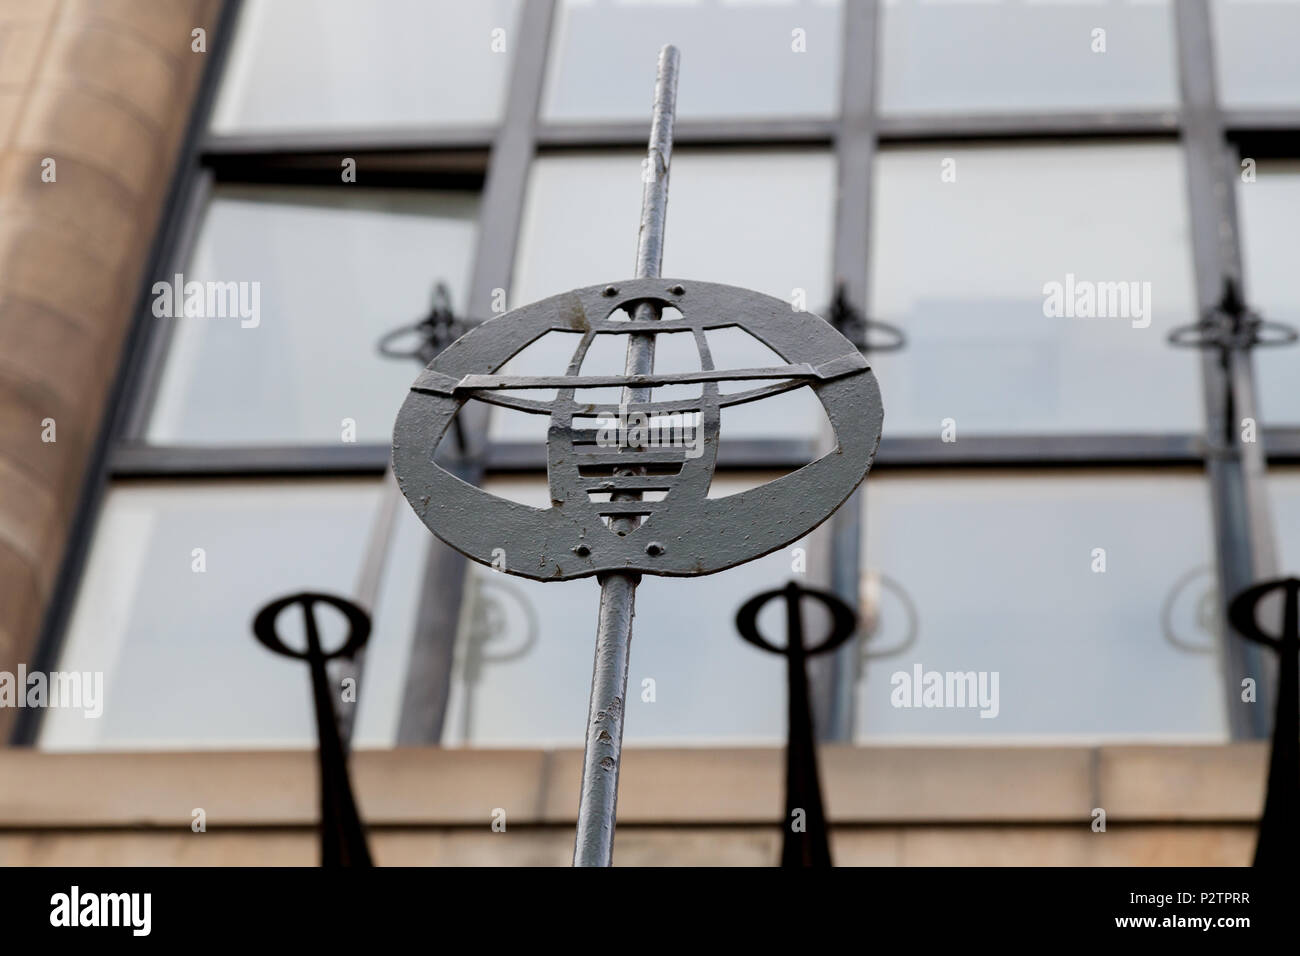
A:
(378, 548)
(600, 764)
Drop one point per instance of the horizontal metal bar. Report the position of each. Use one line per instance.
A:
(1041, 450)
(912, 128)
(626, 483)
(471, 383)
(451, 169)
(372, 140)
(630, 457)
(1282, 446)
(624, 508)
(736, 454)
(1279, 118)
(767, 132)
(138, 460)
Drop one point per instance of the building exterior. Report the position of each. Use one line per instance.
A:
(213, 212)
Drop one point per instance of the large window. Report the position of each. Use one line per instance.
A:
(1020, 56)
(1017, 187)
(971, 244)
(307, 65)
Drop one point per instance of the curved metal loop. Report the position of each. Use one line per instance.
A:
(1204, 613)
(484, 628)
(358, 626)
(857, 328)
(869, 614)
(385, 344)
(843, 621)
(1232, 325)
(434, 332)
(1241, 612)
(898, 341)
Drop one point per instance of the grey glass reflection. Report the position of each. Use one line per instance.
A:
(743, 58)
(335, 270)
(327, 64)
(964, 265)
(1269, 208)
(1255, 52)
(759, 219)
(1019, 55)
(1284, 491)
(523, 663)
(181, 666)
(1000, 570)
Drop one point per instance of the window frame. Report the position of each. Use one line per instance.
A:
(496, 160)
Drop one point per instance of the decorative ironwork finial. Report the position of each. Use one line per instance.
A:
(1231, 325)
(807, 842)
(1278, 843)
(857, 328)
(599, 521)
(343, 841)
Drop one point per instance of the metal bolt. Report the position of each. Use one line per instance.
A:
(654, 549)
(610, 290)
(677, 290)
(581, 550)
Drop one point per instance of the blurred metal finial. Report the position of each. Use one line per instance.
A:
(343, 840)
(807, 841)
(1279, 826)
(1232, 326)
(857, 328)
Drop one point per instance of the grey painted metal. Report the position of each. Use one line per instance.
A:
(137, 460)
(428, 675)
(569, 540)
(1236, 470)
(719, 132)
(834, 676)
(1089, 124)
(404, 139)
(607, 707)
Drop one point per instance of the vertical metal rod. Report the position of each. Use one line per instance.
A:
(594, 845)
(366, 595)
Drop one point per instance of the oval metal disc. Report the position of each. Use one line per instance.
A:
(684, 533)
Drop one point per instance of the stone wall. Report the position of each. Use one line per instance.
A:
(104, 88)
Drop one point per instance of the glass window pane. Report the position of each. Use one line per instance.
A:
(322, 64)
(522, 673)
(757, 219)
(1269, 209)
(1255, 52)
(742, 58)
(951, 57)
(980, 270)
(330, 272)
(181, 666)
(1284, 490)
(1000, 572)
